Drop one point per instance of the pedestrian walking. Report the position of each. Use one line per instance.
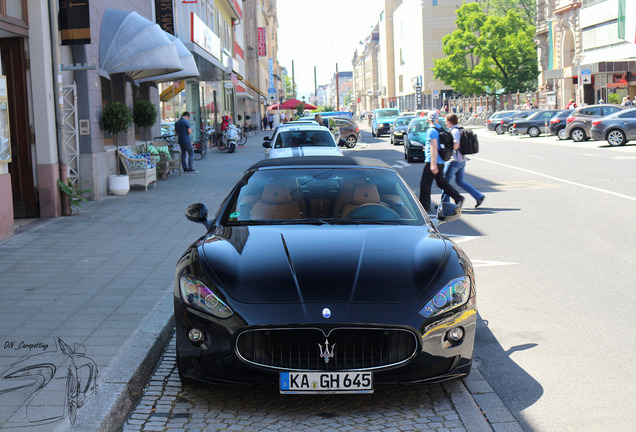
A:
(571, 104)
(434, 166)
(183, 130)
(270, 120)
(264, 121)
(456, 165)
(627, 101)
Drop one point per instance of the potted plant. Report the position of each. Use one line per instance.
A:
(116, 118)
(145, 116)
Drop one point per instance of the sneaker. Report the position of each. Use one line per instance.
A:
(479, 201)
(460, 202)
(193, 171)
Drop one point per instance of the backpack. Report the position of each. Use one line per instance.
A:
(445, 144)
(468, 142)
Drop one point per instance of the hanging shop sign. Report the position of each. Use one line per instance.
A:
(74, 22)
(165, 15)
(262, 42)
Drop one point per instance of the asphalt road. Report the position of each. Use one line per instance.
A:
(553, 246)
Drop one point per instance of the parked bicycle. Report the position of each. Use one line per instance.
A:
(242, 138)
(201, 145)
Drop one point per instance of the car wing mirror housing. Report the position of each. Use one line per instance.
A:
(198, 213)
(448, 212)
(267, 144)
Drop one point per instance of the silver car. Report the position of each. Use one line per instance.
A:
(617, 128)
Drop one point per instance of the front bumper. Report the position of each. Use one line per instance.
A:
(216, 359)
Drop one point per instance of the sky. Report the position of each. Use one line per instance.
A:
(322, 33)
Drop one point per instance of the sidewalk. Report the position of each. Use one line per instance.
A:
(88, 299)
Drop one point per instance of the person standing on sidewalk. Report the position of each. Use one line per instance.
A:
(457, 163)
(270, 120)
(264, 120)
(183, 130)
(432, 164)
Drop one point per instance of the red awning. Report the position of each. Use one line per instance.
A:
(292, 104)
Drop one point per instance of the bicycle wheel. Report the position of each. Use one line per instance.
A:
(200, 150)
(242, 139)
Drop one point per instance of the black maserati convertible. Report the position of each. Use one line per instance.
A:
(323, 275)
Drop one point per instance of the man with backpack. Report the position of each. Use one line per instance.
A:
(465, 141)
(432, 164)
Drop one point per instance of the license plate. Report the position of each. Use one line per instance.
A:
(326, 382)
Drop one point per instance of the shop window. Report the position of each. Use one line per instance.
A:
(15, 9)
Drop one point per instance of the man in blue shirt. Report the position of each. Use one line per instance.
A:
(183, 130)
(434, 171)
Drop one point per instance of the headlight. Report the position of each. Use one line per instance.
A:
(417, 143)
(456, 293)
(194, 293)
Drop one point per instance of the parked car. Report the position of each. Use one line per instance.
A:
(361, 290)
(557, 124)
(533, 125)
(617, 128)
(495, 121)
(301, 140)
(382, 120)
(327, 122)
(349, 131)
(399, 128)
(415, 138)
(506, 122)
(580, 121)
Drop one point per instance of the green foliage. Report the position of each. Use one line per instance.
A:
(145, 113)
(289, 89)
(239, 117)
(247, 117)
(116, 118)
(300, 109)
(526, 8)
(614, 98)
(488, 53)
(75, 193)
(326, 108)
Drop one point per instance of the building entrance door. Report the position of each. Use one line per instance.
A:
(25, 202)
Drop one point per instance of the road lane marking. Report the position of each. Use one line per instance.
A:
(484, 263)
(401, 164)
(557, 179)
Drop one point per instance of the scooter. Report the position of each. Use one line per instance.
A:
(231, 138)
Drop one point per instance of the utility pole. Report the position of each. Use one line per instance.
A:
(337, 90)
(293, 81)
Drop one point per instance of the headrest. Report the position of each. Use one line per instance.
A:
(364, 194)
(275, 193)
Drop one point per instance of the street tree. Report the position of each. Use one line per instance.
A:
(290, 87)
(488, 53)
(526, 8)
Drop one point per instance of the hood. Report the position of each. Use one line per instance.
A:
(295, 264)
(304, 151)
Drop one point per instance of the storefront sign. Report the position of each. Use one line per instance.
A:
(203, 36)
(586, 76)
(74, 22)
(271, 91)
(165, 15)
(262, 42)
(567, 72)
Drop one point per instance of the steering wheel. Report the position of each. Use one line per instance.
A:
(372, 211)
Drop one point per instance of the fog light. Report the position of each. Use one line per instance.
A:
(456, 334)
(196, 335)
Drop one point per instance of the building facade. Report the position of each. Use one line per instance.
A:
(587, 51)
(366, 72)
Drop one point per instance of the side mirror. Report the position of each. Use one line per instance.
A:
(448, 212)
(267, 139)
(197, 213)
(267, 144)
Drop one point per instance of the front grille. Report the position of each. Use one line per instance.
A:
(353, 348)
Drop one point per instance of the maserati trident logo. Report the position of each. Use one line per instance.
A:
(326, 354)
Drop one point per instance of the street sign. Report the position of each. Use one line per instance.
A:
(586, 76)
(435, 94)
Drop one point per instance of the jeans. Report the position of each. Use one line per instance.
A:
(426, 182)
(457, 169)
(186, 148)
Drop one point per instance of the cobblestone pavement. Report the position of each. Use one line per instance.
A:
(169, 405)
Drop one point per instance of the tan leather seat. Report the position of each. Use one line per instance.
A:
(362, 195)
(275, 204)
(345, 195)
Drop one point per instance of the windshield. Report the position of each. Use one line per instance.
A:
(323, 196)
(303, 138)
(403, 121)
(419, 126)
(387, 113)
